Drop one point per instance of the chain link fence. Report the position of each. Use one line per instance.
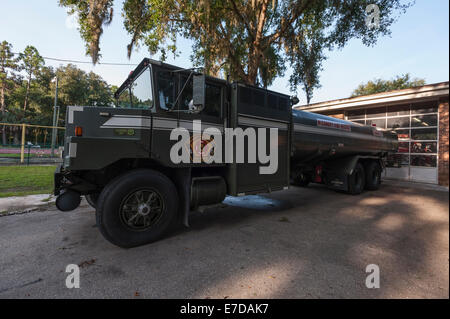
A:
(29, 144)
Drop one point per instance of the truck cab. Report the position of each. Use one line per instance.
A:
(155, 108)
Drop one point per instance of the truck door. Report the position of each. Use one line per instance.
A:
(211, 116)
(175, 109)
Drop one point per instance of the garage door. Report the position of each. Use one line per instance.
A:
(417, 127)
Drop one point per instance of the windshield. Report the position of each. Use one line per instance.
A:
(139, 94)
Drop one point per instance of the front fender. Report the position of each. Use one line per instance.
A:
(89, 153)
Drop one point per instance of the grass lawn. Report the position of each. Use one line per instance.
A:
(26, 180)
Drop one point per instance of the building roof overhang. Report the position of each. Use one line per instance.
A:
(421, 93)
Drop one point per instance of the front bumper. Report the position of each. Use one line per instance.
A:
(72, 180)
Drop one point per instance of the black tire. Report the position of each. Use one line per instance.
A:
(302, 180)
(121, 216)
(357, 180)
(92, 199)
(373, 175)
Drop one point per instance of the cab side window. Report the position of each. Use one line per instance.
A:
(186, 102)
(213, 98)
(166, 90)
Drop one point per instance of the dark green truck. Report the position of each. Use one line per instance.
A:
(177, 140)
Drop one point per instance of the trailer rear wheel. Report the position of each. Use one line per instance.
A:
(357, 180)
(373, 175)
(302, 180)
(137, 208)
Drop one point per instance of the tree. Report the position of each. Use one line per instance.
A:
(379, 85)
(43, 99)
(78, 88)
(248, 40)
(72, 85)
(99, 92)
(7, 64)
(307, 65)
(92, 15)
(31, 64)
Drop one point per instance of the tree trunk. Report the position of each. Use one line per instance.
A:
(27, 92)
(3, 135)
(16, 135)
(255, 52)
(308, 94)
(252, 70)
(2, 103)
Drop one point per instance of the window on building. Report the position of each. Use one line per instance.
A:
(403, 147)
(397, 160)
(397, 110)
(424, 147)
(355, 115)
(426, 134)
(380, 123)
(416, 125)
(426, 107)
(424, 120)
(398, 122)
(403, 134)
(376, 112)
(424, 160)
(417, 130)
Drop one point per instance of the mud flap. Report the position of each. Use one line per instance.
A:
(182, 178)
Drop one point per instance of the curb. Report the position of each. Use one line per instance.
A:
(17, 206)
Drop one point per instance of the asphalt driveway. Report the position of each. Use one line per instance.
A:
(299, 243)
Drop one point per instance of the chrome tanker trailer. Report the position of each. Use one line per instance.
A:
(341, 154)
(178, 139)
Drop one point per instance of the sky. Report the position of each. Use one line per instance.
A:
(419, 45)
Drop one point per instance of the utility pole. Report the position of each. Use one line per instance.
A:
(55, 119)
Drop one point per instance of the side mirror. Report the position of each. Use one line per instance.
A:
(294, 100)
(198, 94)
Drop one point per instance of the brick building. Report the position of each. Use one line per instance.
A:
(420, 118)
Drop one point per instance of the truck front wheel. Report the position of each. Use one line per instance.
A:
(137, 208)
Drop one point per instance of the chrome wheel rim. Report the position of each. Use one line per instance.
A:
(141, 209)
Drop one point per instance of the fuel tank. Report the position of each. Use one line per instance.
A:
(318, 137)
